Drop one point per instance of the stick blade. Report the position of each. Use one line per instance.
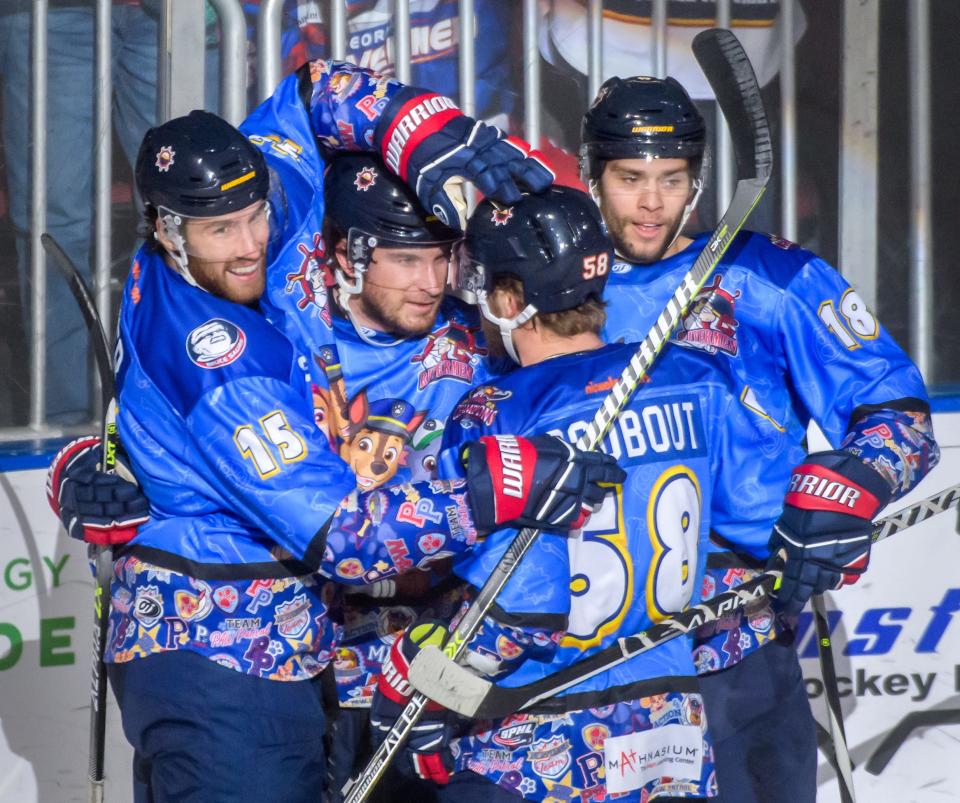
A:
(444, 681)
(725, 63)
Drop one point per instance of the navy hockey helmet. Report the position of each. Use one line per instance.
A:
(640, 117)
(200, 166)
(554, 243)
(373, 207)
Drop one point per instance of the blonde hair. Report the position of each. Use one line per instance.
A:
(588, 317)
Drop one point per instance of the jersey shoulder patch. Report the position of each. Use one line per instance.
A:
(215, 343)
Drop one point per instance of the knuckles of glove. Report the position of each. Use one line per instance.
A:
(540, 482)
(444, 145)
(93, 506)
(825, 547)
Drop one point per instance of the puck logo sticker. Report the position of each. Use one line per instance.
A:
(216, 343)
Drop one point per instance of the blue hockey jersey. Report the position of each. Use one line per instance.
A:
(799, 345)
(248, 498)
(682, 439)
(217, 412)
(423, 378)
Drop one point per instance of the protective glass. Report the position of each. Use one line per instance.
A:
(466, 277)
(223, 238)
(395, 265)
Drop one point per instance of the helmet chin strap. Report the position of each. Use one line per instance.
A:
(343, 299)
(170, 223)
(506, 325)
(687, 211)
(593, 187)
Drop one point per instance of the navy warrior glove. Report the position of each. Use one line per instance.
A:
(428, 745)
(826, 526)
(101, 509)
(427, 141)
(540, 482)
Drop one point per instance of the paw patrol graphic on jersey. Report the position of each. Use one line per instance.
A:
(216, 343)
(550, 758)
(452, 352)
(377, 434)
(424, 448)
(710, 325)
(480, 407)
(292, 618)
(313, 278)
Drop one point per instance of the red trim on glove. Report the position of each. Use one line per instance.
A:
(60, 461)
(511, 469)
(430, 767)
(417, 119)
(856, 569)
(111, 534)
(393, 681)
(532, 153)
(814, 487)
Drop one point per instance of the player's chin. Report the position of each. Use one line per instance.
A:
(244, 289)
(418, 320)
(246, 293)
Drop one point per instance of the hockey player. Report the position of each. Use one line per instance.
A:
(398, 342)
(539, 267)
(247, 498)
(800, 345)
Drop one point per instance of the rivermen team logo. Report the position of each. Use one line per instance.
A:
(711, 326)
(452, 352)
(216, 343)
(313, 278)
(480, 407)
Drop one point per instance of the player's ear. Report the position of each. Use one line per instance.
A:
(340, 255)
(159, 234)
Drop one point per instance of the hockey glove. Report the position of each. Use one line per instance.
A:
(427, 141)
(428, 745)
(540, 482)
(101, 509)
(826, 526)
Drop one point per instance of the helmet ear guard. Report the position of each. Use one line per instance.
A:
(360, 245)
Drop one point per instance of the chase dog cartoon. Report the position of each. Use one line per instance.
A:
(377, 433)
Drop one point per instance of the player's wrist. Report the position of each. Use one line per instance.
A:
(837, 482)
(412, 115)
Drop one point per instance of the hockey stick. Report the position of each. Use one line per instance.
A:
(730, 73)
(100, 555)
(457, 688)
(842, 762)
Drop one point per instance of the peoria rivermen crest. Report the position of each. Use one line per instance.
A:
(480, 407)
(711, 325)
(450, 352)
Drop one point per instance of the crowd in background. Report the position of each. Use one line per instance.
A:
(434, 56)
